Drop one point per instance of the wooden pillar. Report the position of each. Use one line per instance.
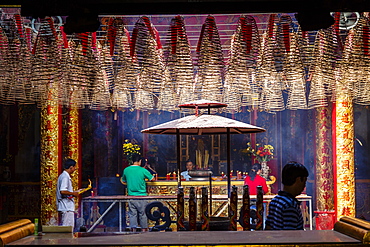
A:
(50, 158)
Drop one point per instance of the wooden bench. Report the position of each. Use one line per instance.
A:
(15, 230)
(355, 228)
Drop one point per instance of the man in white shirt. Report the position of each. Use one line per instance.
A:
(65, 194)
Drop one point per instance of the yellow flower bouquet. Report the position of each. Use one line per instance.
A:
(262, 153)
(129, 150)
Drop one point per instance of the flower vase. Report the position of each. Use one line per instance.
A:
(265, 170)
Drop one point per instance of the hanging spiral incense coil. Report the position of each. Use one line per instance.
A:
(123, 66)
(146, 50)
(100, 99)
(239, 85)
(83, 69)
(293, 70)
(357, 57)
(4, 54)
(45, 62)
(270, 97)
(167, 98)
(210, 62)
(322, 76)
(19, 83)
(179, 64)
(16, 63)
(306, 48)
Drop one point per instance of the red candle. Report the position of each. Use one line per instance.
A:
(174, 176)
(168, 176)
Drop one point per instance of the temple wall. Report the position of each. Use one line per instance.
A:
(25, 167)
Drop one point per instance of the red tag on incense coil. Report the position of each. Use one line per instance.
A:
(84, 40)
(247, 34)
(18, 21)
(64, 36)
(271, 25)
(157, 38)
(211, 26)
(201, 37)
(286, 36)
(29, 38)
(52, 27)
(93, 40)
(149, 26)
(365, 39)
(112, 33)
(127, 35)
(174, 29)
(336, 22)
(133, 41)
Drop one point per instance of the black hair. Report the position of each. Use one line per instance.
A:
(293, 170)
(254, 169)
(136, 158)
(68, 163)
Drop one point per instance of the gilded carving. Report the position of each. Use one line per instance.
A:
(73, 146)
(324, 164)
(345, 157)
(49, 159)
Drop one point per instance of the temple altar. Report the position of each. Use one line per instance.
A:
(165, 191)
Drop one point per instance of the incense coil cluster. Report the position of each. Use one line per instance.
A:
(271, 70)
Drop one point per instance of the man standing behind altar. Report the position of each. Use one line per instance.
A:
(134, 176)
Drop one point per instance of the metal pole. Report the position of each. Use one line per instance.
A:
(228, 163)
(178, 157)
(210, 195)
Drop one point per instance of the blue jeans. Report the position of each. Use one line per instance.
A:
(136, 210)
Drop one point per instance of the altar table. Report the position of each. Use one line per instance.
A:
(120, 199)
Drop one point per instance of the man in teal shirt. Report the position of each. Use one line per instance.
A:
(134, 176)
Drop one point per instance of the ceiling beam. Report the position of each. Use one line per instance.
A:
(148, 7)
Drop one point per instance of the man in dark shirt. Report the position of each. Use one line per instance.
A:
(284, 210)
